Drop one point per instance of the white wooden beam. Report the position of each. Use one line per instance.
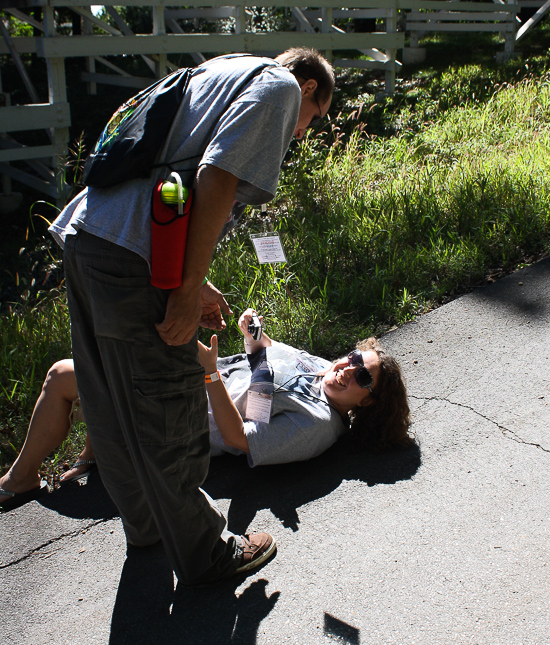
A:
(26, 152)
(67, 46)
(34, 116)
(47, 187)
(537, 17)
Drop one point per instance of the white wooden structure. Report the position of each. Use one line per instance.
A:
(424, 16)
(542, 9)
(326, 26)
(168, 37)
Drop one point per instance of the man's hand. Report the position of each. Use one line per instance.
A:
(187, 309)
(182, 318)
(212, 304)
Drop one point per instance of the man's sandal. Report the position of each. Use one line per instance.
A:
(90, 463)
(18, 499)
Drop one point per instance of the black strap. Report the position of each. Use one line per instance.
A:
(255, 72)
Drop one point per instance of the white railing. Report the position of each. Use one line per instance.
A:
(102, 40)
(327, 26)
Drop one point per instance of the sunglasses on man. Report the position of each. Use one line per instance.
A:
(362, 375)
(319, 117)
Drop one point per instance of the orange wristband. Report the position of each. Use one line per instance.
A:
(211, 378)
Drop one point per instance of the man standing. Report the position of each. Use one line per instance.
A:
(135, 346)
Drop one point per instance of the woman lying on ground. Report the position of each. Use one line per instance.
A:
(276, 404)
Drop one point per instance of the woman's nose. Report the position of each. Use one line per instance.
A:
(350, 368)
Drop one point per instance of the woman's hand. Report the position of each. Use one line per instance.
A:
(244, 321)
(250, 344)
(208, 356)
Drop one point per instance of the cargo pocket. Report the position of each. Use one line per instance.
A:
(121, 308)
(171, 408)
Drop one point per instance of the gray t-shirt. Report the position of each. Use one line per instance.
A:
(248, 137)
(302, 424)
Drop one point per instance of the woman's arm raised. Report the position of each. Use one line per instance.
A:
(226, 415)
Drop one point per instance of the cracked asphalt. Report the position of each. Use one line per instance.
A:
(445, 543)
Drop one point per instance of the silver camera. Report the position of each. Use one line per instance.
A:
(255, 327)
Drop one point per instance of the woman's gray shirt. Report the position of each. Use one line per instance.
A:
(302, 425)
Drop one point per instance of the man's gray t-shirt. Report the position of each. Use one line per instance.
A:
(247, 137)
(302, 424)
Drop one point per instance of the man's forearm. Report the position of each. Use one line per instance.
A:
(214, 197)
(214, 194)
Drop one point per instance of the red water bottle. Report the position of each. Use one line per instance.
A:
(169, 222)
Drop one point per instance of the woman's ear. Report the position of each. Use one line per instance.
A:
(368, 400)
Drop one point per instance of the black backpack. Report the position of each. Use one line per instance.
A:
(129, 144)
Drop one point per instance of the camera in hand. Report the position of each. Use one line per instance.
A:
(255, 327)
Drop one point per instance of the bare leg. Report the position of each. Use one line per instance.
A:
(49, 426)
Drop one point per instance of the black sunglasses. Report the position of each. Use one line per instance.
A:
(316, 119)
(362, 375)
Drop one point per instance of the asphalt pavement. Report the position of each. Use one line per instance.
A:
(445, 543)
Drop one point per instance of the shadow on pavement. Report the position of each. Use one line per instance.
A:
(341, 631)
(89, 500)
(520, 294)
(283, 489)
(148, 610)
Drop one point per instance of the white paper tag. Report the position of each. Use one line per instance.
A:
(258, 406)
(268, 248)
(306, 365)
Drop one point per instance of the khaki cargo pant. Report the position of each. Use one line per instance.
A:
(146, 410)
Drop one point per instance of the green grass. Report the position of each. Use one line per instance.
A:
(392, 209)
(381, 229)
(34, 336)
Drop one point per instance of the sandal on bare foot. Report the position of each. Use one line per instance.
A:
(18, 499)
(89, 463)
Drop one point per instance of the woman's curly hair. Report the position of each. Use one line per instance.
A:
(384, 423)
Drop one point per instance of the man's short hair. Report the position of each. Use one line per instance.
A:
(308, 64)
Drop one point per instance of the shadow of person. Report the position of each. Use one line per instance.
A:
(284, 488)
(217, 615)
(141, 613)
(148, 609)
(82, 500)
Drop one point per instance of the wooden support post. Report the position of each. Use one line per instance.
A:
(414, 39)
(391, 27)
(159, 29)
(6, 196)
(240, 19)
(326, 27)
(87, 30)
(510, 35)
(57, 93)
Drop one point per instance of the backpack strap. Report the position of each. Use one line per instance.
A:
(236, 93)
